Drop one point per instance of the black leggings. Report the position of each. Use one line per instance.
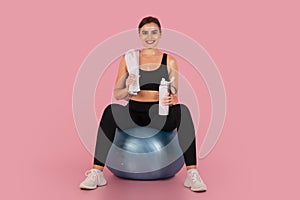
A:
(136, 114)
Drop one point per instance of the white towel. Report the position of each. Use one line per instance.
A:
(132, 61)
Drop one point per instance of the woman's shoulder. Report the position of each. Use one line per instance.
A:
(171, 60)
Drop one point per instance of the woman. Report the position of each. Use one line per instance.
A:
(142, 109)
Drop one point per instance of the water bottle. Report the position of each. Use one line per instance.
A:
(163, 90)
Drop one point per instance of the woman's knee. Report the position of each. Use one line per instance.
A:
(116, 115)
(111, 108)
(109, 112)
(182, 109)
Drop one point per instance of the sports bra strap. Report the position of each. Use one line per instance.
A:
(164, 59)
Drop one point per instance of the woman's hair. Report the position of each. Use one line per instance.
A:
(148, 20)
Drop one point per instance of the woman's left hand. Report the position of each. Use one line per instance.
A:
(170, 99)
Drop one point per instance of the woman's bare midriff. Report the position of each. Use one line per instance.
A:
(146, 96)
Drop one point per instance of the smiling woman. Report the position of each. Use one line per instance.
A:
(142, 108)
(150, 32)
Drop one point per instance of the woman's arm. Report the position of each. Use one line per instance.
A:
(122, 81)
(121, 90)
(172, 67)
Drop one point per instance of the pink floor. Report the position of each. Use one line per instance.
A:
(255, 44)
(53, 166)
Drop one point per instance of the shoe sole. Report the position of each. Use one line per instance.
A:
(83, 187)
(87, 188)
(201, 189)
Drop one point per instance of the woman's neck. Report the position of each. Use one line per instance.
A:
(149, 51)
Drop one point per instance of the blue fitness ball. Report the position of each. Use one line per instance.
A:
(144, 153)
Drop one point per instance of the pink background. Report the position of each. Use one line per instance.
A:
(255, 45)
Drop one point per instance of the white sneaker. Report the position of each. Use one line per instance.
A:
(194, 181)
(94, 179)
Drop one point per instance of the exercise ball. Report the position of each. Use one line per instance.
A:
(144, 153)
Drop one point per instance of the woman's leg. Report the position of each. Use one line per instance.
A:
(179, 118)
(114, 116)
(186, 133)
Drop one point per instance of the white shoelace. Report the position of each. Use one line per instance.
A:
(91, 174)
(195, 177)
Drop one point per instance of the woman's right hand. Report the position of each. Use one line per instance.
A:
(131, 80)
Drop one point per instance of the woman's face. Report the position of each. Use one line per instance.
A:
(150, 35)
